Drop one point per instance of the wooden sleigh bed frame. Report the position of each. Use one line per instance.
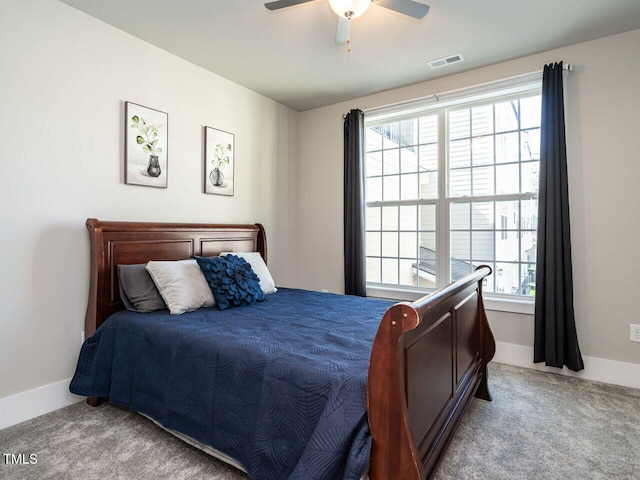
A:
(429, 357)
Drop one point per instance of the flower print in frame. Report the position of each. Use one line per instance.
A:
(145, 153)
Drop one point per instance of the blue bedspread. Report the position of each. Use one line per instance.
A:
(280, 386)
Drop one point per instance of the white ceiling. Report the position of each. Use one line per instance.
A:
(290, 55)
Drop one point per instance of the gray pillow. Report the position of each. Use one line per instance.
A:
(137, 290)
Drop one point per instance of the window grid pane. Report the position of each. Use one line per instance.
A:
(401, 166)
(499, 231)
(492, 179)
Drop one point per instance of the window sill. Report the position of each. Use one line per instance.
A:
(492, 303)
(511, 305)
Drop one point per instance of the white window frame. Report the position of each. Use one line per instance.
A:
(493, 92)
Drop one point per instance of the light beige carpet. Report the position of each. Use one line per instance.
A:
(539, 426)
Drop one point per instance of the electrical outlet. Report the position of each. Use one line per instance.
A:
(634, 335)
(325, 290)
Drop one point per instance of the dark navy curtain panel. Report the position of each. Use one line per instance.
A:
(354, 234)
(556, 340)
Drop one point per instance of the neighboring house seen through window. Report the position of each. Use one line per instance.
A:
(451, 187)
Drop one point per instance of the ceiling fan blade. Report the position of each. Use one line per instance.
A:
(342, 32)
(406, 7)
(284, 4)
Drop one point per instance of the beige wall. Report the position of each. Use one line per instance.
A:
(603, 108)
(64, 79)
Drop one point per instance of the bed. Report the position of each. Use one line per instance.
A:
(389, 386)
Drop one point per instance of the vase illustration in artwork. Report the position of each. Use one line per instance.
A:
(148, 138)
(219, 160)
(216, 177)
(154, 166)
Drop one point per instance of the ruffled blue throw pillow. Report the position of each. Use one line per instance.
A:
(232, 280)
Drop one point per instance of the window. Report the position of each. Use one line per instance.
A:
(453, 186)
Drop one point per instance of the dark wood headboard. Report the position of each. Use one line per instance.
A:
(114, 243)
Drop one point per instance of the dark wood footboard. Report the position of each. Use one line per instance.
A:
(429, 359)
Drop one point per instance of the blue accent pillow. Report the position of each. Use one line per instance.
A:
(232, 280)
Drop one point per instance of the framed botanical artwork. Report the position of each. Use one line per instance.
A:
(145, 152)
(219, 150)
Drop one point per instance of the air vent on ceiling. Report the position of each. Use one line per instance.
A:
(442, 62)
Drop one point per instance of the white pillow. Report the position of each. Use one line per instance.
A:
(181, 284)
(260, 269)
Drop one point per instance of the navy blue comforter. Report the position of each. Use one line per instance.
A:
(280, 386)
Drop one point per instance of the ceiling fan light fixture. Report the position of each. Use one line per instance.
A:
(349, 8)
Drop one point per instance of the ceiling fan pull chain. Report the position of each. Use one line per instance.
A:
(349, 15)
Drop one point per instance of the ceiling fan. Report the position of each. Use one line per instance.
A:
(349, 9)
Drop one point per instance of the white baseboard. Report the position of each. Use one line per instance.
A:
(33, 403)
(598, 369)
